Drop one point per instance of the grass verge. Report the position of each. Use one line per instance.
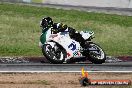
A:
(19, 29)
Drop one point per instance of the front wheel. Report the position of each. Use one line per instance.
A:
(96, 54)
(54, 53)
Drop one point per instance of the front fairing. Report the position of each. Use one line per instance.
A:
(71, 46)
(45, 35)
(43, 38)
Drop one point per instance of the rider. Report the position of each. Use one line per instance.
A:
(47, 23)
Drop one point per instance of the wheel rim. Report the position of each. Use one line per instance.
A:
(96, 51)
(54, 52)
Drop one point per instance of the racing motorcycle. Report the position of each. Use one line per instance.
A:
(59, 48)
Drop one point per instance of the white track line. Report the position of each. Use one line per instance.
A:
(64, 71)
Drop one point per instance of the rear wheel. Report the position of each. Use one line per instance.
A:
(55, 53)
(96, 54)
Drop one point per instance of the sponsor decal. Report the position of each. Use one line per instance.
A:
(76, 53)
(72, 46)
(68, 54)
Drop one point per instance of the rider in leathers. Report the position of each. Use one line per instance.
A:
(47, 23)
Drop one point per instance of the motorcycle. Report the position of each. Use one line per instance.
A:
(59, 48)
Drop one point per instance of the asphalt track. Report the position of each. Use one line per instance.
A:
(45, 67)
(39, 64)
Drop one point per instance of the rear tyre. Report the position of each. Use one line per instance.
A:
(55, 54)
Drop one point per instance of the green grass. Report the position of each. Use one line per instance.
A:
(37, 1)
(20, 31)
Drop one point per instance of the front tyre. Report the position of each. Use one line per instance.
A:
(96, 54)
(55, 54)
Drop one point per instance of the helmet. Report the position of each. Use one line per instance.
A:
(46, 22)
